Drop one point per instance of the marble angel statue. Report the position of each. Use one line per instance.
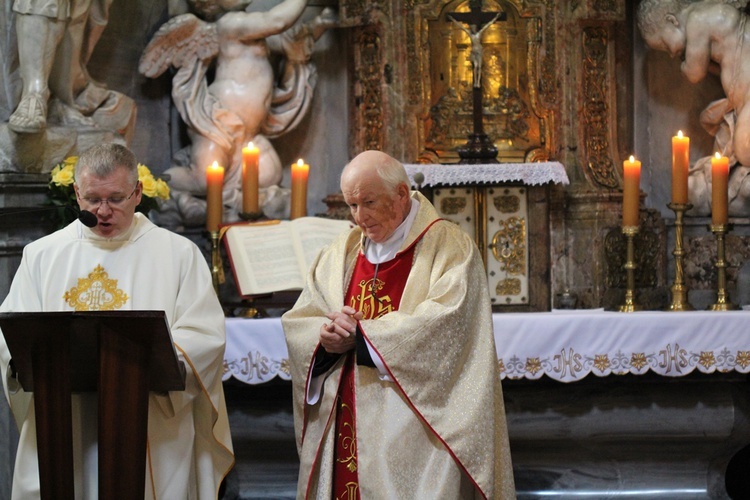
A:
(56, 39)
(244, 101)
(710, 36)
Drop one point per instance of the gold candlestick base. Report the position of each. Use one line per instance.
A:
(248, 309)
(722, 298)
(250, 216)
(630, 305)
(679, 289)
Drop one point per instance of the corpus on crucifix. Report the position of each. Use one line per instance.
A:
(475, 56)
(479, 149)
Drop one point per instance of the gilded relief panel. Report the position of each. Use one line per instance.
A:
(507, 245)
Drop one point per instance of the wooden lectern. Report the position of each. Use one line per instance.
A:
(123, 356)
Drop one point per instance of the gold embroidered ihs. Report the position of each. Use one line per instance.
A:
(96, 293)
(367, 299)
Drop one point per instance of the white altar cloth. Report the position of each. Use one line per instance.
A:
(256, 350)
(531, 174)
(564, 345)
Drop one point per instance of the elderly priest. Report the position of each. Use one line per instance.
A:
(124, 262)
(396, 385)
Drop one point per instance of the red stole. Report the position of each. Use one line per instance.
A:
(375, 289)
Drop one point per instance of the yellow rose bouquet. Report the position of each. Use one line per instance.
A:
(62, 195)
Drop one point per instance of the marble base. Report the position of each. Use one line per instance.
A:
(634, 436)
(640, 437)
(263, 437)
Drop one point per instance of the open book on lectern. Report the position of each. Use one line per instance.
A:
(272, 256)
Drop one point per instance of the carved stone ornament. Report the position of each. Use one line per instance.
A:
(596, 107)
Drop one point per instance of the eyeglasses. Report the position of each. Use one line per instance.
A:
(113, 202)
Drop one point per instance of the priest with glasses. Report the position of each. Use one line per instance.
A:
(125, 262)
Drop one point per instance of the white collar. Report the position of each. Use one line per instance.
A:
(377, 253)
(87, 232)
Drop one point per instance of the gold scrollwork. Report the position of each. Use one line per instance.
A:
(349, 441)
(509, 246)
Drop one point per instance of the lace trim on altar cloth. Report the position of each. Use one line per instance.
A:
(531, 174)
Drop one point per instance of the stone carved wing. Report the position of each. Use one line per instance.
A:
(181, 42)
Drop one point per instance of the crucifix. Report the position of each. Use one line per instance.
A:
(479, 149)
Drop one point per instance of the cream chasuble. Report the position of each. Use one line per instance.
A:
(189, 450)
(438, 430)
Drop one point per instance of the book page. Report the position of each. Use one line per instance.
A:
(276, 255)
(263, 258)
(315, 233)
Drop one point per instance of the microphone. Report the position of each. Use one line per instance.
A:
(87, 218)
(419, 179)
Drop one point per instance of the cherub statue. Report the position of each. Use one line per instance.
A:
(242, 102)
(477, 51)
(709, 36)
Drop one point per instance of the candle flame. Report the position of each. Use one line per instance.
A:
(679, 134)
(632, 159)
(300, 162)
(718, 155)
(215, 165)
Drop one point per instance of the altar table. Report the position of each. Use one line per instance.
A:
(565, 346)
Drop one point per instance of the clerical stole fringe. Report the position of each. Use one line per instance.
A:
(375, 290)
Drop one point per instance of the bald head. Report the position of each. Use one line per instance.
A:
(376, 188)
(390, 171)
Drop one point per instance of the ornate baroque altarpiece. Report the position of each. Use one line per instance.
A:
(555, 88)
(431, 74)
(433, 68)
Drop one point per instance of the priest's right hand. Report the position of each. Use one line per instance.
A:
(338, 336)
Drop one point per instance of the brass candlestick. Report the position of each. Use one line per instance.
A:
(722, 302)
(630, 305)
(217, 269)
(679, 289)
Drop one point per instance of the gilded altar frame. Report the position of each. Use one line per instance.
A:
(412, 79)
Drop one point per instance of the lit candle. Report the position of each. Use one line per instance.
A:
(250, 156)
(680, 168)
(631, 191)
(214, 204)
(719, 189)
(300, 171)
